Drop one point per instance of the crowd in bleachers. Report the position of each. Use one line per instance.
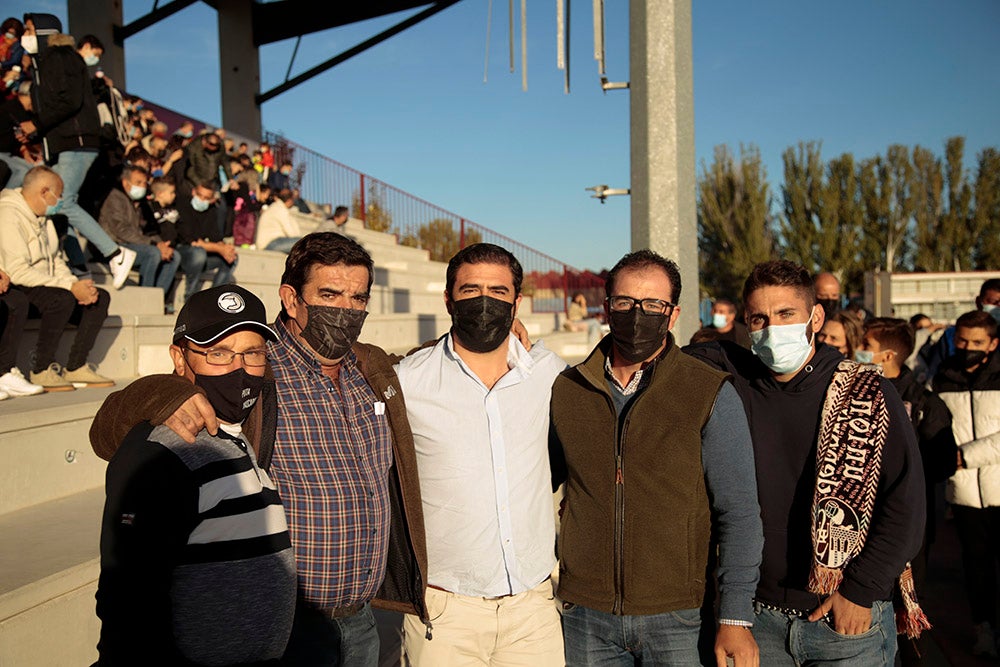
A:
(95, 184)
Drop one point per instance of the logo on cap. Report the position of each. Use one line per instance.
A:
(231, 302)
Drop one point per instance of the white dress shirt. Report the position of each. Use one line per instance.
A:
(482, 457)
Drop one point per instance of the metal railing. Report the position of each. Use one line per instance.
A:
(420, 224)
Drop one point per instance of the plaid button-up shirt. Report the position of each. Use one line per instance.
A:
(332, 454)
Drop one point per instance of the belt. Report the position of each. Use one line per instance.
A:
(790, 611)
(481, 597)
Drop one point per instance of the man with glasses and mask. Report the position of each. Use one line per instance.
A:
(340, 452)
(655, 452)
(196, 562)
(839, 478)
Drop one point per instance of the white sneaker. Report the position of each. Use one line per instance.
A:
(13, 384)
(4, 395)
(121, 264)
(985, 642)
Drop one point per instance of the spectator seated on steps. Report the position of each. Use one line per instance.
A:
(13, 313)
(277, 229)
(199, 241)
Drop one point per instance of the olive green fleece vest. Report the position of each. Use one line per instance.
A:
(635, 531)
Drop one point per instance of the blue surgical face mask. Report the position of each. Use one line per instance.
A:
(91, 60)
(864, 356)
(52, 209)
(719, 320)
(783, 348)
(993, 310)
(10, 36)
(136, 192)
(199, 205)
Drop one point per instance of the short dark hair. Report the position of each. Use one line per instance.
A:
(646, 259)
(916, 319)
(91, 40)
(325, 249)
(284, 194)
(484, 253)
(130, 169)
(978, 319)
(339, 211)
(893, 334)
(161, 183)
(990, 285)
(780, 273)
(12, 25)
(722, 301)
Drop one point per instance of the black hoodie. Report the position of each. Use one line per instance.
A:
(784, 423)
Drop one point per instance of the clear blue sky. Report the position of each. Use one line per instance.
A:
(414, 111)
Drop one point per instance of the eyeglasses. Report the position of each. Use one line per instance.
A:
(218, 356)
(623, 304)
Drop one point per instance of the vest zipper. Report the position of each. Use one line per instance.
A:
(619, 556)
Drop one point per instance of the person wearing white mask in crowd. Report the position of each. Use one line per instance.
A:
(839, 479)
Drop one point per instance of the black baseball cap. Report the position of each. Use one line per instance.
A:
(213, 313)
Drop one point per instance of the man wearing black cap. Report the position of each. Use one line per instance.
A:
(196, 561)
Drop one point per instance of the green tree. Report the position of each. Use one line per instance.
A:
(734, 220)
(956, 221)
(987, 213)
(888, 205)
(927, 188)
(804, 199)
(374, 213)
(839, 236)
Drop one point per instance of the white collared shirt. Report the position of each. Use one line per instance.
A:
(482, 457)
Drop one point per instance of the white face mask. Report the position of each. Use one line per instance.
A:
(783, 348)
(30, 43)
(719, 320)
(993, 310)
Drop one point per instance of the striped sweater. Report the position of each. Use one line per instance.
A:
(196, 562)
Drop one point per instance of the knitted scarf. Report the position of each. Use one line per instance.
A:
(853, 429)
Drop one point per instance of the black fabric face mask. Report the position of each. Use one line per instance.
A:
(232, 395)
(637, 335)
(481, 323)
(830, 306)
(970, 358)
(332, 331)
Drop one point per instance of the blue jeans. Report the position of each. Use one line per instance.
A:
(317, 639)
(153, 271)
(282, 244)
(195, 261)
(72, 167)
(596, 638)
(785, 639)
(18, 168)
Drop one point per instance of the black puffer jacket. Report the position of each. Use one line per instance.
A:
(63, 101)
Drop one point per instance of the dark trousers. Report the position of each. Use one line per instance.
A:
(13, 315)
(979, 534)
(58, 308)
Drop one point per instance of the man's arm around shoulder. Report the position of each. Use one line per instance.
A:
(155, 399)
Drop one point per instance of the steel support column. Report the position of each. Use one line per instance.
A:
(662, 142)
(239, 68)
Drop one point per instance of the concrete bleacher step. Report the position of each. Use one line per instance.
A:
(49, 566)
(45, 447)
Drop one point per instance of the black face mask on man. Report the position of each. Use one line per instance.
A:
(638, 335)
(482, 323)
(970, 358)
(332, 331)
(232, 395)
